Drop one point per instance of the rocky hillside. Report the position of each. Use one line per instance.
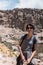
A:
(20, 17)
(12, 22)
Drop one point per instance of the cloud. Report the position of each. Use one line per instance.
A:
(4, 4)
(8, 4)
(30, 4)
(11, 4)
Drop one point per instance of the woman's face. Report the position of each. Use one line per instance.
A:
(30, 30)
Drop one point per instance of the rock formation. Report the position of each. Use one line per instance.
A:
(11, 18)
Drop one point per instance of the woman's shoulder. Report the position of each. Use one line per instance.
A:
(35, 39)
(24, 36)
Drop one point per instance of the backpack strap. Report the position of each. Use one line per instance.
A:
(23, 37)
(34, 42)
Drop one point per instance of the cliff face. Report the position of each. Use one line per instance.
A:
(20, 17)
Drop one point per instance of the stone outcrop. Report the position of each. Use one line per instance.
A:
(12, 22)
(9, 39)
(11, 18)
(6, 55)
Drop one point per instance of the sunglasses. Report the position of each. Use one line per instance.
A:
(29, 28)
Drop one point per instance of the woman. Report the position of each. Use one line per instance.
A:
(28, 47)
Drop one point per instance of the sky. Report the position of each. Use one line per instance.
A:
(11, 4)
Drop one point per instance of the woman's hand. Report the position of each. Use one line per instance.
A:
(25, 63)
(23, 59)
(28, 60)
(22, 56)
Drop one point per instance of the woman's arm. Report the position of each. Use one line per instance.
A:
(21, 54)
(33, 53)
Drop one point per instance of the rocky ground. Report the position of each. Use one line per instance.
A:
(12, 24)
(9, 39)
